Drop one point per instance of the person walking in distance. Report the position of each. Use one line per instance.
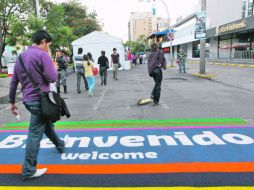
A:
(88, 65)
(156, 62)
(80, 70)
(62, 72)
(115, 61)
(104, 65)
(181, 58)
(38, 63)
(90, 57)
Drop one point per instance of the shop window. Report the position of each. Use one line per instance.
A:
(196, 49)
(241, 45)
(225, 46)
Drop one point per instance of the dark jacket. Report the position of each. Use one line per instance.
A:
(156, 60)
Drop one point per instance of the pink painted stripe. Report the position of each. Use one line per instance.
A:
(146, 128)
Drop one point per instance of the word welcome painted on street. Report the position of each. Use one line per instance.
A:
(163, 145)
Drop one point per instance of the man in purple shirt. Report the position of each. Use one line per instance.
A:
(156, 62)
(38, 63)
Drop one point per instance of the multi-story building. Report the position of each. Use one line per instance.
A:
(162, 24)
(141, 23)
(230, 32)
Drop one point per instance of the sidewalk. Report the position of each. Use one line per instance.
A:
(4, 91)
(238, 77)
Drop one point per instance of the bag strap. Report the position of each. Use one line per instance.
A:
(36, 86)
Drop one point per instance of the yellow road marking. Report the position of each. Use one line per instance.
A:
(126, 188)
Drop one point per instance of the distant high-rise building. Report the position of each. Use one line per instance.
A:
(162, 23)
(141, 23)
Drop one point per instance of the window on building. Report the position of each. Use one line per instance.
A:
(225, 46)
(252, 40)
(247, 9)
(196, 49)
(240, 44)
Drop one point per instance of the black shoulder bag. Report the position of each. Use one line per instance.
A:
(52, 105)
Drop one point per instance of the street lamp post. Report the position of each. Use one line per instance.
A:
(202, 45)
(170, 30)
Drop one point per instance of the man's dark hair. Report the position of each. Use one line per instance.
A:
(114, 49)
(80, 50)
(41, 35)
(89, 55)
(154, 47)
(103, 52)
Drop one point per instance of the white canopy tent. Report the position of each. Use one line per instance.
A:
(97, 41)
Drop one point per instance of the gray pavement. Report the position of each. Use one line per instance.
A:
(228, 95)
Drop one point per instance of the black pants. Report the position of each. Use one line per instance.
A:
(157, 77)
(103, 74)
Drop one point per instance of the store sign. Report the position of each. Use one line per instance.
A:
(231, 27)
(200, 26)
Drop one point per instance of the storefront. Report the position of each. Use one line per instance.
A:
(233, 40)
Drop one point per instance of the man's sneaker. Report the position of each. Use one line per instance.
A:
(38, 173)
(155, 103)
(62, 148)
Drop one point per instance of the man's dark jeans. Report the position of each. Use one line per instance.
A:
(157, 77)
(38, 126)
(103, 74)
(81, 73)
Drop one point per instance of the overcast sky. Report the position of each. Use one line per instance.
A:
(115, 14)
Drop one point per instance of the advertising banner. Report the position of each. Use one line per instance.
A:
(200, 26)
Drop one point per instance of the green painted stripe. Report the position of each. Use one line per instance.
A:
(128, 126)
(183, 121)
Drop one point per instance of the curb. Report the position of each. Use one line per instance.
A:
(233, 65)
(205, 76)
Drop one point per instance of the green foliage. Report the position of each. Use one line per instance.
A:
(77, 17)
(138, 45)
(65, 22)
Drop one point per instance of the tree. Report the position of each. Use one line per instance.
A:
(138, 45)
(78, 18)
(9, 10)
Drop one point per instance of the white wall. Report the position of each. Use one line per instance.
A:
(95, 50)
(220, 12)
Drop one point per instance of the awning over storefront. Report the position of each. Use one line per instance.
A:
(179, 41)
(161, 33)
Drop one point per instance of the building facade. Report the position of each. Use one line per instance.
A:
(230, 32)
(141, 23)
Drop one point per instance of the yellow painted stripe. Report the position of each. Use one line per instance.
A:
(126, 188)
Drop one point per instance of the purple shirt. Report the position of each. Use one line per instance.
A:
(156, 59)
(36, 61)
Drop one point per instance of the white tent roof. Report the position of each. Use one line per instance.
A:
(96, 37)
(97, 41)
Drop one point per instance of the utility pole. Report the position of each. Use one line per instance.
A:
(37, 8)
(202, 45)
(170, 31)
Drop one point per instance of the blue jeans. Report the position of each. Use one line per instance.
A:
(91, 84)
(182, 67)
(81, 74)
(38, 126)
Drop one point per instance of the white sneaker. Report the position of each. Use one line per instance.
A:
(38, 173)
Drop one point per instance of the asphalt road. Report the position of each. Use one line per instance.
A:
(183, 96)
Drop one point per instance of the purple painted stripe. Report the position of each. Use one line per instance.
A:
(147, 128)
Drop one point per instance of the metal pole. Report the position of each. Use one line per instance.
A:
(202, 45)
(170, 29)
(37, 8)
